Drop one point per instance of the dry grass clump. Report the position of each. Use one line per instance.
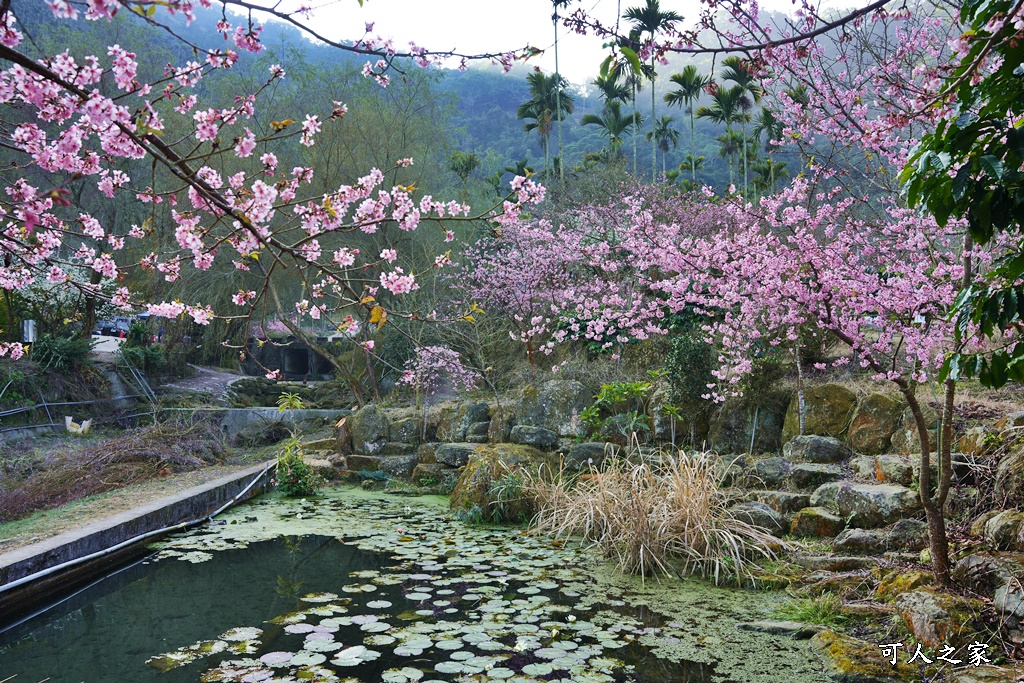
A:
(651, 518)
(72, 471)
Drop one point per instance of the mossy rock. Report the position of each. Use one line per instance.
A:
(875, 420)
(369, 428)
(489, 463)
(851, 660)
(829, 409)
(555, 405)
(732, 424)
(907, 439)
(899, 581)
(936, 618)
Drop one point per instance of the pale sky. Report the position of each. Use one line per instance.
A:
(475, 26)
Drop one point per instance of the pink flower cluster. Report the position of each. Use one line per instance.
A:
(438, 368)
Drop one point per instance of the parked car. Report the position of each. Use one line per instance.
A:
(113, 327)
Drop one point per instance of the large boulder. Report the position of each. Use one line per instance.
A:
(785, 502)
(875, 420)
(400, 466)
(935, 618)
(898, 581)
(809, 477)
(816, 449)
(1010, 477)
(884, 469)
(816, 523)
(454, 454)
(875, 505)
(849, 660)
(590, 454)
(988, 673)
(370, 430)
(538, 437)
(407, 430)
(732, 425)
(997, 574)
(555, 405)
(907, 534)
(979, 441)
(455, 422)
(487, 464)
(907, 439)
(826, 494)
(1003, 531)
(770, 473)
(895, 469)
(434, 476)
(828, 410)
(759, 515)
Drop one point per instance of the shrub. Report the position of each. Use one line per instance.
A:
(294, 476)
(138, 335)
(652, 518)
(62, 354)
(150, 359)
(689, 365)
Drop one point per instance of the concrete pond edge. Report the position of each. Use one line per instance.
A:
(81, 553)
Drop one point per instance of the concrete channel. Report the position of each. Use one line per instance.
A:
(35, 573)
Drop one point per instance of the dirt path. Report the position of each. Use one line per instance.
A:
(79, 513)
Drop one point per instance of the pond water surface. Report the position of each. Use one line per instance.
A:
(350, 587)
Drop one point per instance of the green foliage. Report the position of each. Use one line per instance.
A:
(149, 358)
(62, 354)
(623, 407)
(470, 515)
(294, 476)
(689, 365)
(509, 492)
(825, 609)
(970, 167)
(463, 164)
(138, 335)
(761, 385)
(287, 401)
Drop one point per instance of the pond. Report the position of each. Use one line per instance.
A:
(355, 587)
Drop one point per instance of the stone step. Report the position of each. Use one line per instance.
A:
(809, 477)
(784, 502)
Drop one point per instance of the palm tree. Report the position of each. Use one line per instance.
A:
(463, 164)
(556, 4)
(691, 85)
(689, 166)
(634, 80)
(724, 109)
(730, 145)
(692, 164)
(610, 88)
(736, 70)
(767, 173)
(614, 124)
(768, 125)
(548, 102)
(662, 134)
(799, 94)
(651, 20)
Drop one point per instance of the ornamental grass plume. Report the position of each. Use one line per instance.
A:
(654, 516)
